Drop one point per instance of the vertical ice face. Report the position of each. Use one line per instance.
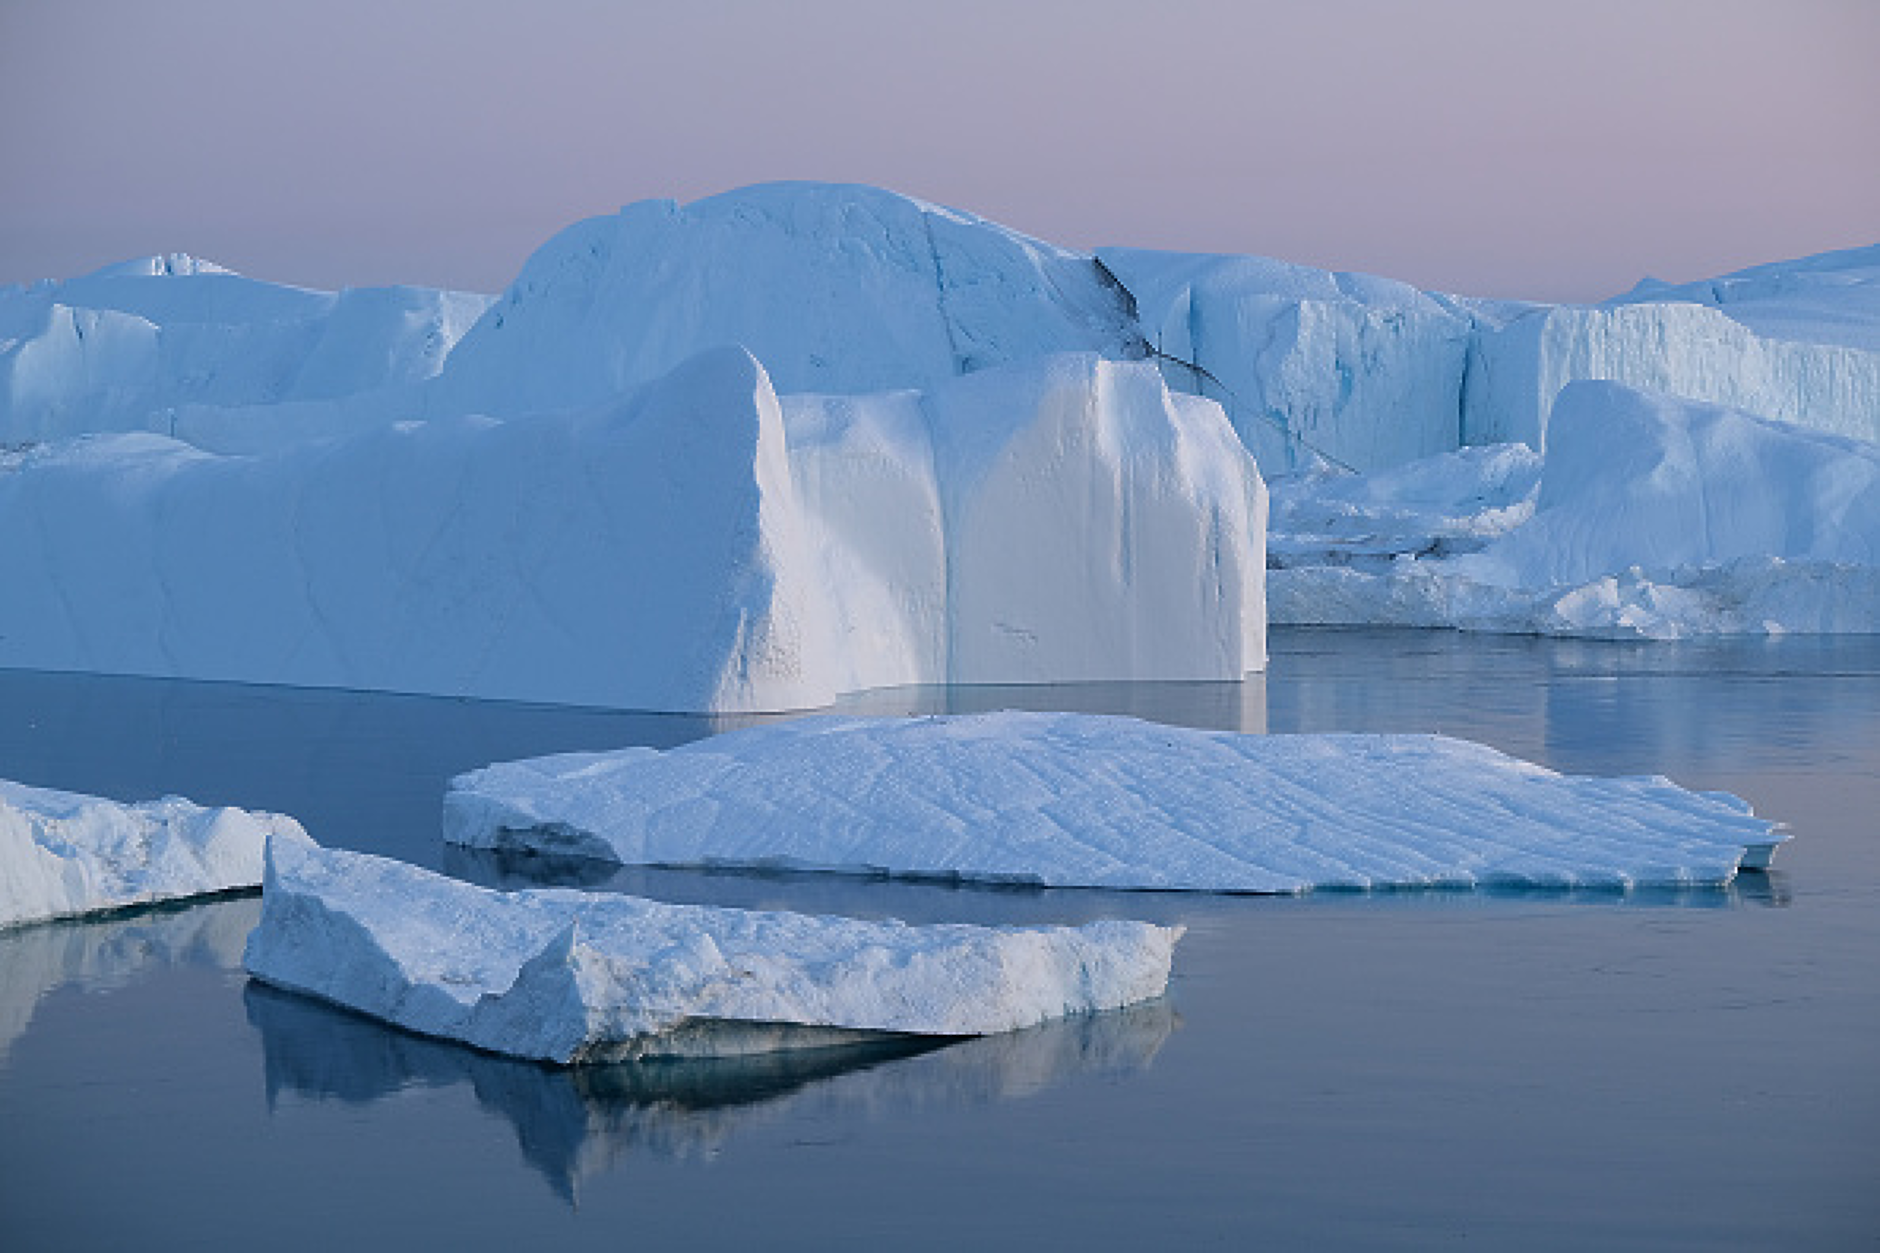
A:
(1096, 526)
(1516, 371)
(1308, 363)
(700, 545)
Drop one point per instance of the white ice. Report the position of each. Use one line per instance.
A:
(1068, 800)
(836, 289)
(1652, 517)
(180, 346)
(701, 545)
(64, 854)
(567, 976)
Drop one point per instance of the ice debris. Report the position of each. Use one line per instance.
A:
(1069, 800)
(64, 854)
(568, 976)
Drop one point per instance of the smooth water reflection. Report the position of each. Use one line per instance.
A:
(575, 1124)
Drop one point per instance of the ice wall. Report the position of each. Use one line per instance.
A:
(699, 546)
(1515, 372)
(1308, 363)
(836, 289)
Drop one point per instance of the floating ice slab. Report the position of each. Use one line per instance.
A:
(63, 854)
(568, 976)
(1068, 800)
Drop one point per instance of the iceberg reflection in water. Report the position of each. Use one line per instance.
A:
(573, 1124)
(106, 952)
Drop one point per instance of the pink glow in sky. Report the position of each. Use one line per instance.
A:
(1498, 147)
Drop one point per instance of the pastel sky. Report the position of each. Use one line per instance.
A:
(1558, 149)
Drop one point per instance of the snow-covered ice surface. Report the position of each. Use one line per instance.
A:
(182, 346)
(699, 546)
(63, 854)
(838, 289)
(568, 976)
(1653, 517)
(1830, 298)
(1069, 800)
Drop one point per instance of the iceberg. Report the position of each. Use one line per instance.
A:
(1309, 364)
(180, 346)
(703, 545)
(63, 854)
(571, 977)
(836, 289)
(1068, 800)
(1652, 516)
(1517, 371)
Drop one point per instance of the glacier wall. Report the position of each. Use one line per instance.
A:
(700, 546)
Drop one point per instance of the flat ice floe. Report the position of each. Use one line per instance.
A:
(63, 854)
(567, 976)
(1069, 800)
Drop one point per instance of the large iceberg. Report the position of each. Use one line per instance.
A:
(702, 545)
(1068, 800)
(568, 977)
(64, 854)
(1651, 516)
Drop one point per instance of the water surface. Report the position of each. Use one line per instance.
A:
(1535, 1070)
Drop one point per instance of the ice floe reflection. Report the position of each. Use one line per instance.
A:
(107, 952)
(575, 1123)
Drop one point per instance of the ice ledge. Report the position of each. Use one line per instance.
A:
(573, 977)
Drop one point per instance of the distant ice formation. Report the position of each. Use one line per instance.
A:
(178, 346)
(567, 976)
(1068, 800)
(803, 439)
(63, 854)
(1651, 517)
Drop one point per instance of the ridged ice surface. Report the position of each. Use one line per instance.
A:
(1069, 800)
(62, 853)
(569, 976)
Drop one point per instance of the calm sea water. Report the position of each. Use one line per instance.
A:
(1660, 1070)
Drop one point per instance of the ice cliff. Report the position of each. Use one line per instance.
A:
(700, 545)
(566, 976)
(1067, 800)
